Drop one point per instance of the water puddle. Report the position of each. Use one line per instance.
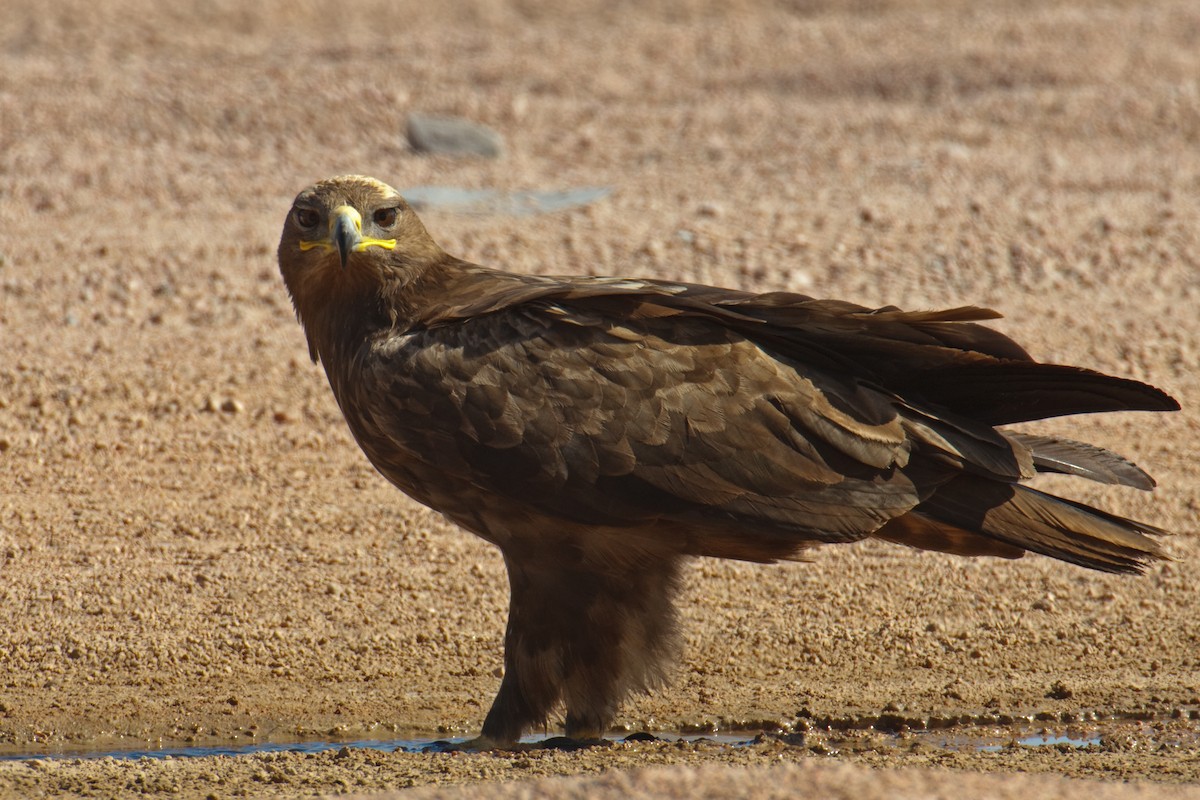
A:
(1040, 740)
(326, 745)
(963, 740)
(994, 744)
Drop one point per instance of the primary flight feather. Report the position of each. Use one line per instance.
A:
(599, 431)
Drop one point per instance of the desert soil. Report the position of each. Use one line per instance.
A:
(194, 552)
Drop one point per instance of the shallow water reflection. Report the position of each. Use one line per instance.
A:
(981, 741)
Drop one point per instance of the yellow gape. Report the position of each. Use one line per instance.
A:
(345, 234)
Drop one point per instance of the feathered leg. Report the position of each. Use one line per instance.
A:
(624, 644)
(589, 634)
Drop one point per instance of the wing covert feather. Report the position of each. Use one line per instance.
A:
(661, 419)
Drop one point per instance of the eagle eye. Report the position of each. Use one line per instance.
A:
(307, 218)
(385, 217)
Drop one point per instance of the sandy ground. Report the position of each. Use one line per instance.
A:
(192, 550)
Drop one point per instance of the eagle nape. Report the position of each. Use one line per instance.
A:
(602, 431)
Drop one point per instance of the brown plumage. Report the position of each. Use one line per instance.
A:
(599, 431)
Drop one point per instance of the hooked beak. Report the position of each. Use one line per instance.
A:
(345, 229)
(345, 236)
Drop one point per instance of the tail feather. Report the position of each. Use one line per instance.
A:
(1042, 523)
(918, 530)
(1004, 392)
(1055, 454)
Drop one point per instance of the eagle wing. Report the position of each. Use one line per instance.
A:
(605, 403)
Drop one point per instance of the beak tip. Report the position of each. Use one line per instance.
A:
(345, 233)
